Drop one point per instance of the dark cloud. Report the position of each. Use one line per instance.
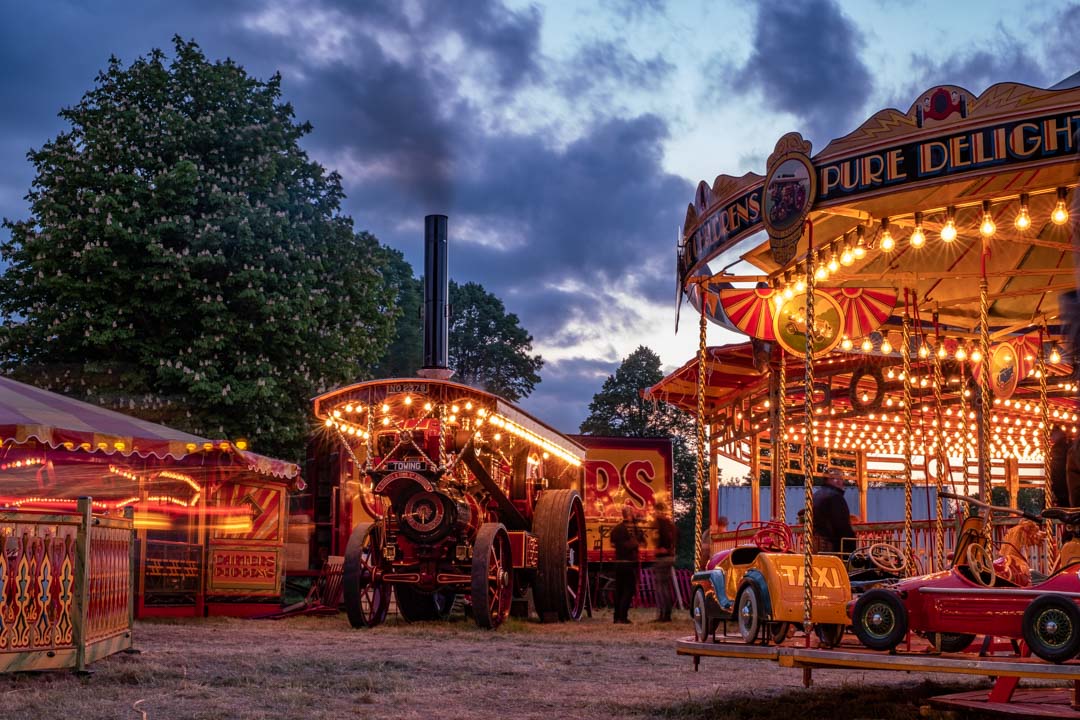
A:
(805, 61)
(1002, 59)
(607, 64)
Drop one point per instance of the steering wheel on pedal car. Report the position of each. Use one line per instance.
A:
(772, 539)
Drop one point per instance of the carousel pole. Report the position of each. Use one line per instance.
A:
(808, 449)
(905, 354)
(985, 479)
(700, 476)
(780, 445)
(965, 440)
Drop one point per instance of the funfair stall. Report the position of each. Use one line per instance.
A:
(900, 290)
(209, 515)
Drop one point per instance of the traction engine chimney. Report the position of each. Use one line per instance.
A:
(436, 296)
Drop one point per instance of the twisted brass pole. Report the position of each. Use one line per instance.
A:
(809, 451)
(700, 478)
(780, 476)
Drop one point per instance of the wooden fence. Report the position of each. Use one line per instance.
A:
(66, 584)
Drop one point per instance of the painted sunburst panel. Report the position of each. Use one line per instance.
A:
(864, 309)
(751, 311)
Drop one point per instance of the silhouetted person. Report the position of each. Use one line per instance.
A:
(626, 537)
(832, 517)
(664, 566)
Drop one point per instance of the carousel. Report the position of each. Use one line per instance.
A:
(900, 291)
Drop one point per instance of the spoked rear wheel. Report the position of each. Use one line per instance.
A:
(492, 576)
(367, 597)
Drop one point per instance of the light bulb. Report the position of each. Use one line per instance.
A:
(867, 346)
(948, 231)
(976, 355)
(941, 353)
(1023, 219)
(1060, 216)
(1055, 356)
(961, 353)
(800, 285)
(987, 228)
(846, 343)
(924, 351)
(847, 257)
(887, 242)
(918, 237)
(834, 264)
(821, 273)
(886, 346)
(788, 292)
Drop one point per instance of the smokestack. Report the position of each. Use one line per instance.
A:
(436, 296)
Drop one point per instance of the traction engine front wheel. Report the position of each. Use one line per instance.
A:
(367, 597)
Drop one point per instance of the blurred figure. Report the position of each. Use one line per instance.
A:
(664, 566)
(626, 538)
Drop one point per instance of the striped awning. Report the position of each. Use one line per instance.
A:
(29, 414)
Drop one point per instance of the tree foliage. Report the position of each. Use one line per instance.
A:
(618, 409)
(488, 347)
(185, 260)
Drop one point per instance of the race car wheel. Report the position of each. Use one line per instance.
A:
(704, 626)
(830, 635)
(950, 642)
(880, 620)
(748, 607)
(1051, 628)
(778, 632)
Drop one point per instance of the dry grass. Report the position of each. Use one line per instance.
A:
(319, 668)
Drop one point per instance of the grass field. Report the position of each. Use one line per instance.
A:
(320, 668)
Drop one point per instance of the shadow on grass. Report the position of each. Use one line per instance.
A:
(848, 702)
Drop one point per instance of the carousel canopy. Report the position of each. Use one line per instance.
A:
(29, 414)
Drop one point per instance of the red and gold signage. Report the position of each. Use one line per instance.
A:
(621, 472)
(243, 569)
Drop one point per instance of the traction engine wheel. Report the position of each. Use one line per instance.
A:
(492, 576)
(562, 572)
(416, 606)
(367, 597)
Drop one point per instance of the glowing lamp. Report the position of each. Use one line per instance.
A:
(948, 231)
(1060, 215)
(1023, 219)
(987, 228)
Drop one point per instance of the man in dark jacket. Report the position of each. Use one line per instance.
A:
(626, 537)
(832, 517)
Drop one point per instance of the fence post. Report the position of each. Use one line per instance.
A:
(129, 514)
(82, 581)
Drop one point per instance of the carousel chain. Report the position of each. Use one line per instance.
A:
(442, 438)
(964, 445)
(984, 399)
(700, 470)
(809, 452)
(780, 475)
(367, 439)
(905, 354)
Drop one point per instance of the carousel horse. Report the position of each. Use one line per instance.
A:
(1012, 564)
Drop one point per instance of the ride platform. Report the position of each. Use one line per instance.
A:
(1004, 698)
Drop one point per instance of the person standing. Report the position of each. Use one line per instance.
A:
(664, 567)
(626, 538)
(832, 517)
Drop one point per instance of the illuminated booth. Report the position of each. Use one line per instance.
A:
(209, 515)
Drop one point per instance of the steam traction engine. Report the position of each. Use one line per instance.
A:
(466, 494)
(452, 490)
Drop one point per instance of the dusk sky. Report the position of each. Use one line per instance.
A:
(563, 139)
